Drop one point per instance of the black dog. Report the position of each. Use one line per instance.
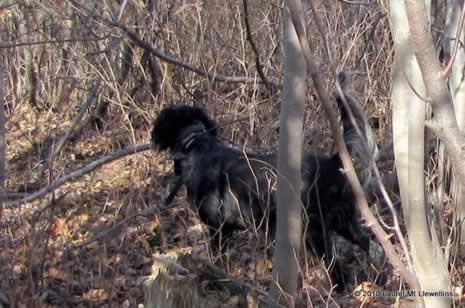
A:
(326, 195)
(229, 189)
(233, 190)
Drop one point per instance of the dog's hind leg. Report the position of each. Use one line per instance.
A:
(345, 222)
(358, 236)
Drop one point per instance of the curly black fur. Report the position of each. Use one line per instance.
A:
(363, 149)
(172, 121)
(234, 190)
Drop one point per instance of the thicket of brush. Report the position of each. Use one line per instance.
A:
(86, 78)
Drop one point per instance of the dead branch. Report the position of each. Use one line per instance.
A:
(355, 2)
(159, 54)
(170, 59)
(258, 63)
(48, 42)
(79, 173)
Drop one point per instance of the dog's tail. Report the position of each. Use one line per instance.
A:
(173, 121)
(362, 144)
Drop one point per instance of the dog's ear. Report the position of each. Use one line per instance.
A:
(171, 122)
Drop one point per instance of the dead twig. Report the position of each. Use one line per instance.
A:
(90, 100)
(258, 63)
(79, 173)
(48, 42)
(355, 2)
(170, 59)
(159, 54)
(458, 34)
(370, 37)
(121, 223)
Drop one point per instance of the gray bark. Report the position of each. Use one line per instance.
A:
(409, 113)
(406, 74)
(289, 205)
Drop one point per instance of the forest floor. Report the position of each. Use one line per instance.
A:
(91, 243)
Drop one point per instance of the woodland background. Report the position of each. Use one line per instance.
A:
(84, 79)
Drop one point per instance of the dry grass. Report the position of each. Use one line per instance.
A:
(90, 242)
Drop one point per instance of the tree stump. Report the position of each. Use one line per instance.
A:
(183, 281)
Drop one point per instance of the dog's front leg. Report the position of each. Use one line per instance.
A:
(173, 186)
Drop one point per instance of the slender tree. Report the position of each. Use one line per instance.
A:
(409, 113)
(288, 235)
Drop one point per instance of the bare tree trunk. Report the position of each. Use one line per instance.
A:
(405, 71)
(289, 204)
(457, 88)
(409, 112)
(29, 85)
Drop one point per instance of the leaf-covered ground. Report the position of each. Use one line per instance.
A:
(90, 243)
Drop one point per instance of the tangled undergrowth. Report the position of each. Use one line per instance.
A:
(79, 87)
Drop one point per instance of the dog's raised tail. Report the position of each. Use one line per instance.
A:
(173, 120)
(362, 147)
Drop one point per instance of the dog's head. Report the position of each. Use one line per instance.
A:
(176, 123)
